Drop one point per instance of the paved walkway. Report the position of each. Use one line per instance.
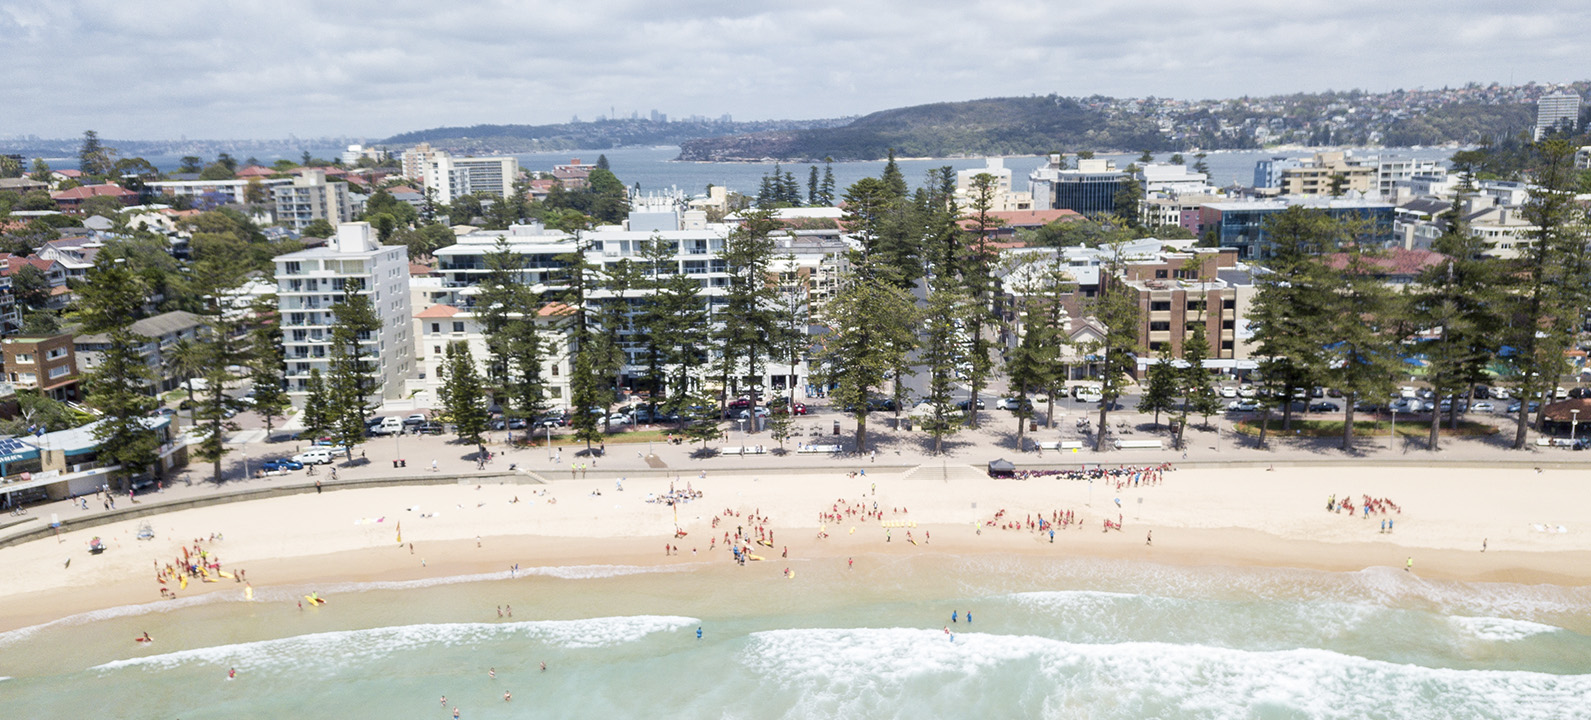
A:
(889, 449)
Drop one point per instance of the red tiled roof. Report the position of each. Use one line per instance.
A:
(437, 312)
(1396, 262)
(70, 173)
(255, 171)
(84, 192)
(419, 270)
(402, 189)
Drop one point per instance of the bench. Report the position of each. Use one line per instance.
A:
(1554, 442)
(746, 450)
(1138, 444)
(818, 449)
(1049, 445)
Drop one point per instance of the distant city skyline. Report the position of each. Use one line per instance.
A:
(161, 71)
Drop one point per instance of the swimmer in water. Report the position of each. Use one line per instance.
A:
(698, 637)
(507, 696)
(492, 673)
(544, 666)
(231, 673)
(455, 714)
(146, 639)
(444, 701)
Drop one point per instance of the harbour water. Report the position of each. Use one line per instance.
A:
(1034, 637)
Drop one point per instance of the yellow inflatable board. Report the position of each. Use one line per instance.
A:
(248, 593)
(182, 583)
(755, 557)
(315, 600)
(207, 578)
(224, 574)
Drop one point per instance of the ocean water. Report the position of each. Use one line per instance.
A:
(1057, 638)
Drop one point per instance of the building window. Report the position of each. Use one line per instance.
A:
(1160, 274)
(1226, 344)
(557, 392)
(555, 373)
(436, 349)
(1159, 325)
(293, 268)
(1157, 346)
(60, 371)
(24, 358)
(27, 377)
(1228, 304)
(1160, 306)
(1228, 324)
(458, 327)
(55, 354)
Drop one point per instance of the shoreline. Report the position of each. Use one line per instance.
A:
(1215, 517)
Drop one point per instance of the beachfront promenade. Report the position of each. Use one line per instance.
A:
(900, 452)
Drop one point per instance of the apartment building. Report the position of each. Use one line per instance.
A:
(1329, 173)
(1557, 110)
(1002, 199)
(1241, 224)
(160, 333)
(452, 178)
(1090, 189)
(310, 197)
(808, 265)
(309, 283)
(46, 364)
(214, 193)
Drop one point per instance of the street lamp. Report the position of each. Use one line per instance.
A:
(1575, 421)
(1392, 437)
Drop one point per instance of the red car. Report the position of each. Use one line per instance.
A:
(796, 409)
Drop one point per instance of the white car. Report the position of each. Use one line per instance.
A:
(1243, 406)
(1229, 392)
(1246, 391)
(1483, 406)
(315, 456)
(1499, 392)
(618, 419)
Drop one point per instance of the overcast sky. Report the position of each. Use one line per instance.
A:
(152, 70)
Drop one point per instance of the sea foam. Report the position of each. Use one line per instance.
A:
(1500, 629)
(358, 646)
(899, 672)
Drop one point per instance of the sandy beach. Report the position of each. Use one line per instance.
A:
(1216, 516)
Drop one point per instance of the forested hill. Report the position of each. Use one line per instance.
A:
(1472, 114)
(995, 126)
(486, 139)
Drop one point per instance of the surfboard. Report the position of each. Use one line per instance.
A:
(224, 574)
(182, 582)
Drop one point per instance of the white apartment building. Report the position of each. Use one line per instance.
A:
(1004, 200)
(808, 263)
(416, 159)
(1172, 180)
(452, 178)
(220, 192)
(310, 282)
(311, 197)
(1556, 109)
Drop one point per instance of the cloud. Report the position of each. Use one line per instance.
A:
(139, 69)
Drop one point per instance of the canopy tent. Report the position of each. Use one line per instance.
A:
(1001, 468)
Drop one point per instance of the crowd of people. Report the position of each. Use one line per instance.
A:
(1122, 475)
(198, 564)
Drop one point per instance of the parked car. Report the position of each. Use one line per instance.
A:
(550, 422)
(315, 456)
(962, 406)
(1513, 407)
(798, 409)
(618, 418)
(1228, 392)
(1366, 407)
(1245, 391)
(1484, 406)
(429, 428)
(1244, 405)
(1500, 393)
(1323, 407)
(281, 465)
(1085, 394)
(761, 412)
(415, 419)
(388, 426)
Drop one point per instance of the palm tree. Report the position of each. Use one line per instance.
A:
(189, 360)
